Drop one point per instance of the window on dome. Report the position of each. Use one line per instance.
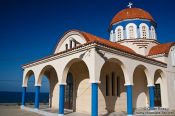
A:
(131, 32)
(144, 32)
(153, 33)
(119, 34)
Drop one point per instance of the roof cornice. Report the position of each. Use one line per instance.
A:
(95, 44)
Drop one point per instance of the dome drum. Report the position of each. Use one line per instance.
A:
(132, 23)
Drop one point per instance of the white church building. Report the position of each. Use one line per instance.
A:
(96, 76)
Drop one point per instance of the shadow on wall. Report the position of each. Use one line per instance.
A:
(113, 100)
(140, 90)
(81, 86)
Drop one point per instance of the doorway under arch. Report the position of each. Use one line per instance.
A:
(69, 92)
(158, 88)
(77, 87)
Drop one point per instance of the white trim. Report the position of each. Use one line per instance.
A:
(157, 55)
(130, 20)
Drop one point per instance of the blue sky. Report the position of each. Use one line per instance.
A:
(30, 29)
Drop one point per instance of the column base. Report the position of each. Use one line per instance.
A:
(129, 115)
(22, 107)
(60, 114)
(36, 109)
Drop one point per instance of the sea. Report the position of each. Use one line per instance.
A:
(15, 97)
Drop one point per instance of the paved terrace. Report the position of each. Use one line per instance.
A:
(15, 110)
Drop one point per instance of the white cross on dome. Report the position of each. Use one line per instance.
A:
(130, 4)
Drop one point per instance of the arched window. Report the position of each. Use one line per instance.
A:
(131, 30)
(119, 33)
(153, 33)
(144, 31)
(173, 56)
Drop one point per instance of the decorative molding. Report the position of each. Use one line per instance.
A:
(158, 55)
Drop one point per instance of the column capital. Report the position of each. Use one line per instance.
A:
(24, 86)
(62, 83)
(37, 85)
(98, 82)
(150, 85)
(127, 84)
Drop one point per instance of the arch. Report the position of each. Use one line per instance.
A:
(80, 73)
(68, 36)
(50, 73)
(146, 71)
(67, 67)
(140, 90)
(153, 33)
(144, 31)
(112, 77)
(131, 31)
(46, 71)
(160, 72)
(27, 76)
(119, 33)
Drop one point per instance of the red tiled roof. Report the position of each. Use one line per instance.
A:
(131, 13)
(94, 39)
(90, 38)
(161, 49)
